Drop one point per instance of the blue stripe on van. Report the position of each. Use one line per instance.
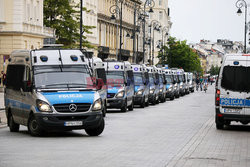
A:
(234, 102)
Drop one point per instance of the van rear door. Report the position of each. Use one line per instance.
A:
(247, 101)
(233, 84)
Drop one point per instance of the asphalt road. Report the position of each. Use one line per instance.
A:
(176, 133)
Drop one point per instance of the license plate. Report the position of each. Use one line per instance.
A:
(231, 110)
(73, 123)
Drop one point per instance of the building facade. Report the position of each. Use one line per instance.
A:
(21, 27)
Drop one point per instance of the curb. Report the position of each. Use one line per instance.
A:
(2, 124)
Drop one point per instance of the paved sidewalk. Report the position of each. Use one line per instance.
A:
(3, 119)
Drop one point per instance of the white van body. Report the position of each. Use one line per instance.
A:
(232, 91)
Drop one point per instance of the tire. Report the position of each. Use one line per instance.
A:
(97, 130)
(33, 127)
(104, 111)
(142, 105)
(219, 124)
(172, 98)
(124, 108)
(131, 107)
(14, 127)
(147, 103)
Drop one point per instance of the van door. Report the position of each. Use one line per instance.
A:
(13, 92)
(247, 77)
(130, 86)
(233, 85)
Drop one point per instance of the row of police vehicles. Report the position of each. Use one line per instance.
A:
(60, 89)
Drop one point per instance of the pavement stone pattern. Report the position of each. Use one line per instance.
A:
(3, 119)
(176, 133)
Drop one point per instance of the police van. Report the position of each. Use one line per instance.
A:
(97, 69)
(141, 85)
(170, 88)
(180, 73)
(153, 85)
(176, 82)
(162, 85)
(120, 85)
(232, 98)
(191, 83)
(52, 90)
(186, 83)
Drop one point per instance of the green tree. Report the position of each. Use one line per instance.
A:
(65, 19)
(214, 70)
(179, 54)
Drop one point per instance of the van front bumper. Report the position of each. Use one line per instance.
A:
(57, 122)
(138, 100)
(222, 117)
(116, 103)
(169, 94)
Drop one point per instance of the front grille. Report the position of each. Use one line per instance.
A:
(64, 108)
(111, 95)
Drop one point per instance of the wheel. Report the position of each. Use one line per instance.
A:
(142, 105)
(131, 107)
(172, 98)
(97, 130)
(124, 108)
(33, 127)
(157, 101)
(147, 103)
(14, 127)
(219, 124)
(104, 111)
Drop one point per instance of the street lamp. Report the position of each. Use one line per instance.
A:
(81, 32)
(114, 9)
(164, 31)
(239, 4)
(155, 25)
(150, 4)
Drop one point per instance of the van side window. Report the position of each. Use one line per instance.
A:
(15, 74)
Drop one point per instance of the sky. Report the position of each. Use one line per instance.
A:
(194, 20)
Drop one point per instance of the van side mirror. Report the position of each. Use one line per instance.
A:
(188, 80)
(174, 82)
(27, 86)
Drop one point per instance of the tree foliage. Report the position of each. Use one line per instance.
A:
(214, 70)
(65, 19)
(179, 54)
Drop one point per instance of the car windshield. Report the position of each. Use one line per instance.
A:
(151, 78)
(236, 78)
(115, 77)
(138, 77)
(169, 78)
(62, 77)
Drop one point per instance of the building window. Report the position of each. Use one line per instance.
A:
(2, 11)
(160, 15)
(160, 2)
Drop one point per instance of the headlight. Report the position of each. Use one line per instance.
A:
(170, 89)
(161, 90)
(139, 92)
(120, 94)
(43, 106)
(181, 86)
(151, 91)
(97, 105)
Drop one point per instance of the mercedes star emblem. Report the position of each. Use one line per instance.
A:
(72, 107)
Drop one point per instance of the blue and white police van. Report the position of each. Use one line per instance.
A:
(186, 83)
(141, 80)
(232, 99)
(162, 85)
(153, 85)
(120, 85)
(176, 82)
(180, 73)
(97, 69)
(191, 81)
(170, 88)
(52, 90)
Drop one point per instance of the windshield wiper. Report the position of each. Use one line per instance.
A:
(44, 86)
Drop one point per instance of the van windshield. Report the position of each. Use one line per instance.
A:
(151, 78)
(62, 77)
(115, 77)
(138, 77)
(169, 78)
(236, 78)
